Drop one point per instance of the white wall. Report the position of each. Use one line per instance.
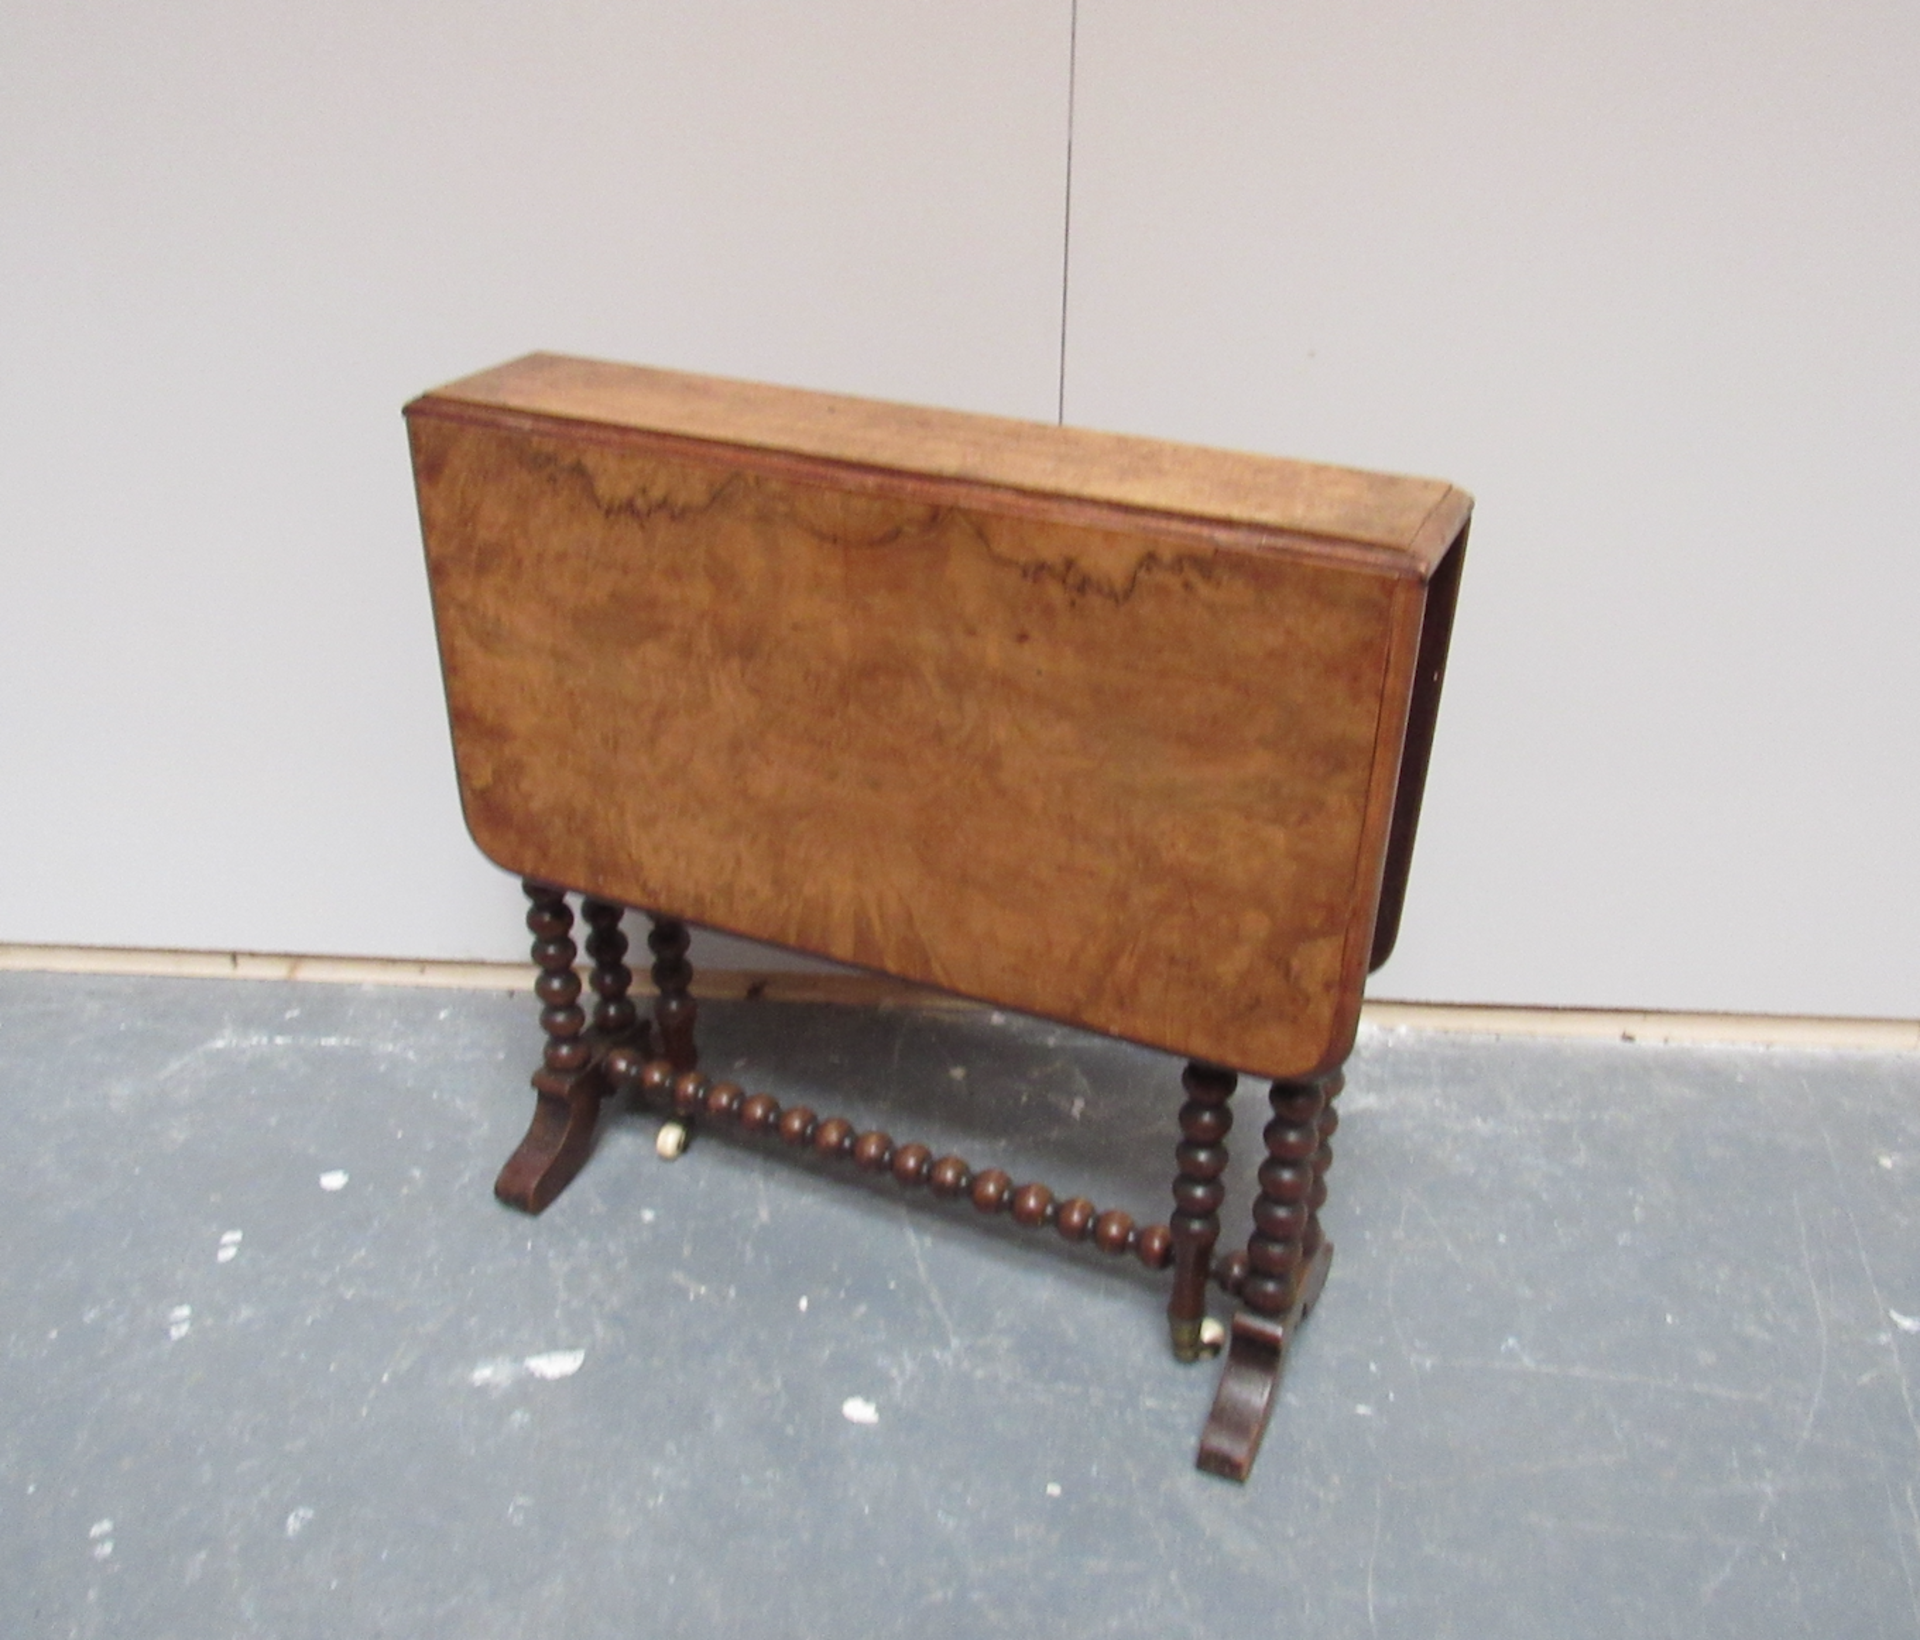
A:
(1643, 279)
(236, 238)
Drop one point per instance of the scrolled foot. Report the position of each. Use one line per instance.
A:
(558, 1141)
(1250, 1379)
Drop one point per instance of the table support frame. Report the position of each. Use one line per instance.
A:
(1277, 1278)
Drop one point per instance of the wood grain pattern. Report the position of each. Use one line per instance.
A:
(1080, 759)
(1413, 517)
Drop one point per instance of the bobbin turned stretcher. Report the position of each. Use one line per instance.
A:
(1119, 733)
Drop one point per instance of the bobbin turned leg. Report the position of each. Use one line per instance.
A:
(568, 1084)
(1205, 1120)
(615, 1019)
(1287, 1260)
(674, 1012)
(1315, 1240)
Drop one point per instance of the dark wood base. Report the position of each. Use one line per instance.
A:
(1250, 1379)
(558, 1141)
(1205, 1121)
(572, 1078)
(1277, 1278)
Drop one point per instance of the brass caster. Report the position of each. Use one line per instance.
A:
(1197, 1340)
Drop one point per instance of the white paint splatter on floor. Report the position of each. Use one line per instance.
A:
(549, 1365)
(179, 1322)
(857, 1409)
(1906, 1323)
(297, 1521)
(229, 1247)
(495, 1374)
(334, 1180)
(556, 1364)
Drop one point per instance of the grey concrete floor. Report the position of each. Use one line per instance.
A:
(1620, 1340)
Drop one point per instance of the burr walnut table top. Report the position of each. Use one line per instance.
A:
(1098, 728)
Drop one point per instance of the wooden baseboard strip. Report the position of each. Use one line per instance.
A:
(877, 991)
(163, 964)
(1650, 1025)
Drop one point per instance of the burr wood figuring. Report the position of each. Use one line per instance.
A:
(1121, 733)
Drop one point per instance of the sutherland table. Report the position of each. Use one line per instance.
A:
(1124, 734)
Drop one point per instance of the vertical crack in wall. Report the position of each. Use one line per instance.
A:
(1066, 228)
